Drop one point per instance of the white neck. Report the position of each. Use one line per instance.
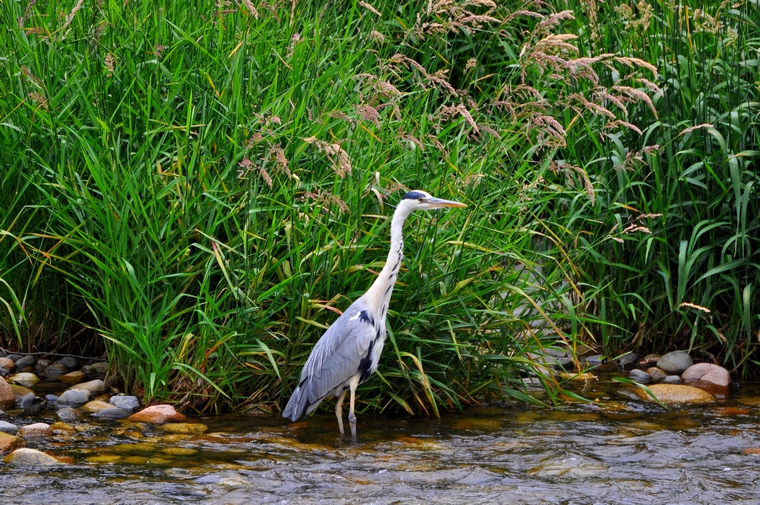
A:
(379, 294)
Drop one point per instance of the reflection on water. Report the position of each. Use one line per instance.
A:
(620, 452)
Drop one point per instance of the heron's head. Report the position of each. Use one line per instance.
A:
(418, 200)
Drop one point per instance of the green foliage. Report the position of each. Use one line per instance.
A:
(201, 190)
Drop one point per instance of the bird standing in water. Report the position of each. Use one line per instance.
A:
(348, 352)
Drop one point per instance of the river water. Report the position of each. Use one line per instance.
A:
(615, 451)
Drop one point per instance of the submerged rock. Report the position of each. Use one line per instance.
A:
(31, 457)
(709, 373)
(185, 428)
(35, 430)
(675, 362)
(9, 442)
(96, 406)
(73, 398)
(69, 414)
(7, 398)
(673, 394)
(113, 413)
(157, 414)
(125, 402)
(25, 379)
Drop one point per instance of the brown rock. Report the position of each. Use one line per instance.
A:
(157, 414)
(30, 457)
(35, 430)
(9, 443)
(709, 373)
(8, 364)
(7, 398)
(676, 394)
(96, 406)
(25, 379)
(656, 374)
(72, 377)
(185, 428)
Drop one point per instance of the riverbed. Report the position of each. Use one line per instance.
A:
(614, 451)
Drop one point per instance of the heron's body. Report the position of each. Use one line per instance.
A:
(349, 351)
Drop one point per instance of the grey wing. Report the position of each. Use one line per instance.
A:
(334, 360)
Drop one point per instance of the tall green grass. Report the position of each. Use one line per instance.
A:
(200, 191)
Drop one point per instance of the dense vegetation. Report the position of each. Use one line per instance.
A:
(198, 190)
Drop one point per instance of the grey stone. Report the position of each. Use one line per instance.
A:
(68, 414)
(41, 365)
(51, 398)
(628, 359)
(4, 372)
(639, 376)
(125, 402)
(117, 413)
(95, 387)
(73, 398)
(14, 357)
(68, 361)
(100, 369)
(675, 362)
(25, 362)
(672, 379)
(6, 427)
(26, 401)
(56, 370)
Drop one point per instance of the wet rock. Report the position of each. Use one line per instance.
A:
(96, 406)
(4, 372)
(125, 402)
(184, 428)
(627, 360)
(7, 398)
(95, 387)
(639, 376)
(100, 369)
(19, 392)
(709, 373)
(30, 457)
(35, 430)
(113, 413)
(69, 414)
(8, 364)
(68, 361)
(672, 394)
(14, 357)
(157, 414)
(25, 379)
(72, 377)
(650, 360)
(25, 362)
(672, 379)
(56, 370)
(9, 428)
(656, 374)
(675, 362)
(9, 442)
(41, 365)
(73, 398)
(26, 401)
(50, 398)
(60, 427)
(112, 382)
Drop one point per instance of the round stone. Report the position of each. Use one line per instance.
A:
(73, 398)
(125, 402)
(72, 377)
(639, 376)
(25, 362)
(68, 361)
(672, 379)
(25, 379)
(26, 401)
(34, 430)
(30, 457)
(672, 394)
(8, 364)
(96, 406)
(56, 370)
(6, 427)
(7, 398)
(709, 373)
(69, 414)
(675, 362)
(656, 374)
(95, 387)
(157, 414)
(112, 413)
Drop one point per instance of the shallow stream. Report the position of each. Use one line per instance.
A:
(617, 451)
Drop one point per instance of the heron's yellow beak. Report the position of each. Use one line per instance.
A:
(439, 202)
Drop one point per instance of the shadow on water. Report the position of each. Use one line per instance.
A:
(618, 451)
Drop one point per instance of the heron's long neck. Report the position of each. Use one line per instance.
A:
(379, 294)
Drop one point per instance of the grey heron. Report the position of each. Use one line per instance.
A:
(348, 352)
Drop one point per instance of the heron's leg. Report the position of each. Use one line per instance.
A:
(339, 410)
(351, 415)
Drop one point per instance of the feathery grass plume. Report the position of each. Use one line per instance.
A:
(341, 163)
(369, 7)
(377, 37)
(250, 8)
(325, 199)
(368, 113)
(65, 28)
(27, 13)
(109, 63)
